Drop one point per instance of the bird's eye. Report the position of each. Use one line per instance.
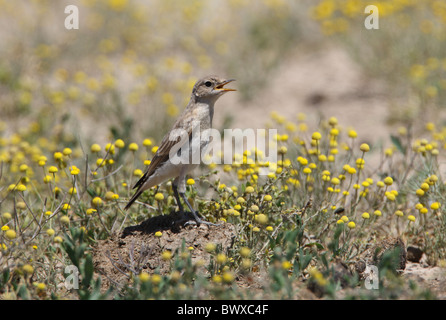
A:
(208, 84)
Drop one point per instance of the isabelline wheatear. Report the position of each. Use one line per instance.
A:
(196, 118)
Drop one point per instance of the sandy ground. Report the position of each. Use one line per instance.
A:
(319, 84)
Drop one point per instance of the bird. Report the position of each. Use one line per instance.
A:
(184, 139)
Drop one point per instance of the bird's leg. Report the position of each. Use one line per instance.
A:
(177, 198)
(198, 220)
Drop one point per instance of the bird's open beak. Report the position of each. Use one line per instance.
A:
(221, 85)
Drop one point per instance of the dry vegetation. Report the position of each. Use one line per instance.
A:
(82, 112)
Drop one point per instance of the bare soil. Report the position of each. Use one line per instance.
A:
(138, 249)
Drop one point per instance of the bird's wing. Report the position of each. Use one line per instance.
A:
(164, 150)
(160, 157)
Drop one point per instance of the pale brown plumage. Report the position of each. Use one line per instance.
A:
(200, 108)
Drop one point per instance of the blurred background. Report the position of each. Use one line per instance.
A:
(128, 71)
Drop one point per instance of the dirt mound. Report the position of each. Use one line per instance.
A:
(138, 249)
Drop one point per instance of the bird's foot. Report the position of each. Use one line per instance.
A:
(193, 218)
(201, 221)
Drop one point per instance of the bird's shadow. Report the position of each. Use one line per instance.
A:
(173, 221)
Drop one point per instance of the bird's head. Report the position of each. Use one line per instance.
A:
(211, 87)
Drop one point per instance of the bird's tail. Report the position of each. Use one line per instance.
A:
(133, 199)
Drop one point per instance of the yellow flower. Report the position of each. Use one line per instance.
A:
(286, 265)
(352, 134)
(100, 162)
(74, 170)
(316, 136)
(364, 147)
(433, 178)
(137, 172)
(50, 232)
(241, 200)
(28, 269)
(261, 218)
(96, 201)
(217, 278)
(67, 151)
(351, 170)
(158, 234)
(318, 276)
(159, 196)
(411, 218)
(419, 192)
(52, 169)
(58, 156)
(109, 195)
(221, 258)
(95, 148)
(249, 189)
(360, 163)
(119, 144)
(144, 277)
(245, 252)
(154, 149)
(40, 286)
(302, 161)
(388, 181)
(175, 276)
(210, 247)
(147, 142)
(390, 196)
(64, 220)
(7, 216)
(110, 148)
(5, 228)
(133, 147)
(323, 10)
(282, 150)
(388, 152)
(166, 255)
(190, 182)
(271, 175)
(58, 239)
(435, 205)
(267, 198)
(365, 215)
(351, 225)
(10, 234)
(377, 213)
(399, 213)
(417, 71)
(91, 211)
(228, 277)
